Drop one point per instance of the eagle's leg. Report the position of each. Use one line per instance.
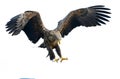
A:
(59, 53)
(50, 53)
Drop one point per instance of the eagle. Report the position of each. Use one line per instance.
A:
(31, 23)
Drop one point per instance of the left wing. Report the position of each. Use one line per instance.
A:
(91, 16)
(30, 22)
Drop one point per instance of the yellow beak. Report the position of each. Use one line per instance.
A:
(59, 42)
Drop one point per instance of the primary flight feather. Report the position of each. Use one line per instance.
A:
(31, 23)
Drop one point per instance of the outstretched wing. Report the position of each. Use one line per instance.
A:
(30, 22)
(91, 16)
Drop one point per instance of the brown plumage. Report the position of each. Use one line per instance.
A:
(30, 22)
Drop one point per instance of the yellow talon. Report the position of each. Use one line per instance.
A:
(63, 59)
(56, 60)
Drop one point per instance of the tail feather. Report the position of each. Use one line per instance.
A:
(42, 45)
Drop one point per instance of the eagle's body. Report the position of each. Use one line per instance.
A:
(30, 22)
(52, 38)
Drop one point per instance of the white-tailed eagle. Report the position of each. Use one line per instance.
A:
(31, 23)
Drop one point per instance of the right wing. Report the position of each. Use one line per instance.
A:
(88, 17)
(30, 22)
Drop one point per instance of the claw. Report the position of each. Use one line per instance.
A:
(63, 59)
(56, 60)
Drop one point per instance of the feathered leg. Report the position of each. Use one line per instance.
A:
(59, 54)
(50, 53)
(58, 51)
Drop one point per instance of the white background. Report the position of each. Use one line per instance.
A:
(93, 53)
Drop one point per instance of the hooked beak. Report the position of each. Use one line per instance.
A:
(59, 42)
